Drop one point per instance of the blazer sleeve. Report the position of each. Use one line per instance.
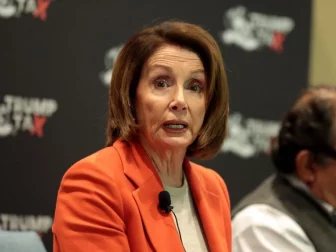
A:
(89, 212)
(227, 211)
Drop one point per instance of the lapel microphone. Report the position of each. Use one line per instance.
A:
(165, 202)
(165, 206)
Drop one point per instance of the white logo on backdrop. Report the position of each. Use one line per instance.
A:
(110, 58)
(13, 222)
(249, 137)
(254, 30)
(30, 114)
(15, 8)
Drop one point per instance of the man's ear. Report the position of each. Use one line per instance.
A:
(305, 169)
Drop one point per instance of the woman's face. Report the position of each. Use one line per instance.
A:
(171, 98)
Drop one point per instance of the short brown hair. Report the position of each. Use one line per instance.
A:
(126, 74)
(308, 125)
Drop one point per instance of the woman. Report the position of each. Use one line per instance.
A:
(168, 100)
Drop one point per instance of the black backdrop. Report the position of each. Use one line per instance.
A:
(55, 63)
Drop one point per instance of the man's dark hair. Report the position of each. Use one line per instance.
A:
(308, 125)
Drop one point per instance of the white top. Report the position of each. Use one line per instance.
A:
(262, 228)
(187, 218)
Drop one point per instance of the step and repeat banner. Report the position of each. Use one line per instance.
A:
(56, 62)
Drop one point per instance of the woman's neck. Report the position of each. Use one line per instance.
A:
(168, 163)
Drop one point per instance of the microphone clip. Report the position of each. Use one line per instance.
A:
(165, 202)
(166, 209)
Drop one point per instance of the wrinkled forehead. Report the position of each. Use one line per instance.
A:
(171, 55)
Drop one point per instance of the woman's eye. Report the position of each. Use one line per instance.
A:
(195, 87)
(161, 83)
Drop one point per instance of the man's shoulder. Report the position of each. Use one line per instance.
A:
(259, 215)
(261, 194)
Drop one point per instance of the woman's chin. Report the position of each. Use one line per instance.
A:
(176, 142)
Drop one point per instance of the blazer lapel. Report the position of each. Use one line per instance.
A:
(209, 207)
(160, 228)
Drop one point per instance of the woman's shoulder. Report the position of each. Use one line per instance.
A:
(205, 172)
(101, 157)
(104, 163)
(213, 181)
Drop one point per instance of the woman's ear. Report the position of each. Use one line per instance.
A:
(305, 169)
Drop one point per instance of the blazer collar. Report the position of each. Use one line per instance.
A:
(209, 206)
(161, 228)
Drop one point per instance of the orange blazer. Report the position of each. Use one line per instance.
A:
(108, 202)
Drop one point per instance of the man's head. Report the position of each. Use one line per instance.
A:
(306, 145)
